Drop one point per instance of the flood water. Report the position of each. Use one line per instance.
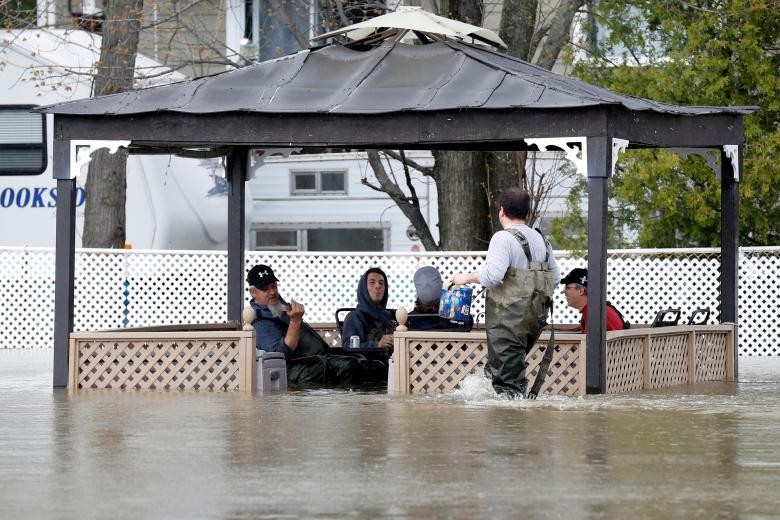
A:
(709, 453)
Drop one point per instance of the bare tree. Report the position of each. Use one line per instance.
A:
(468, 183)
(104, 209)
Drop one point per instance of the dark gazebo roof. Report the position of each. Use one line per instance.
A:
(391, 77)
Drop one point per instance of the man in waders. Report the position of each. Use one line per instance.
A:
(279, 327)
(520, 274)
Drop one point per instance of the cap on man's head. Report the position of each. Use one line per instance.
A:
(427, 282)
(260, 276)
(578, 276)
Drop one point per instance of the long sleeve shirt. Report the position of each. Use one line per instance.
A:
(505, 251)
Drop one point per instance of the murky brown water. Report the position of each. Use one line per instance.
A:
(714, 453)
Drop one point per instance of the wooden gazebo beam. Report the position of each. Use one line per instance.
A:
(448, 130)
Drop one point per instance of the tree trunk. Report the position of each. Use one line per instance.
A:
(104, 209)
(518, 20)
(468, 11)
(558, 32)
(464, 216)
(505, 169)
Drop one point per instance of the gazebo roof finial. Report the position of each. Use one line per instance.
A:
(426, 25)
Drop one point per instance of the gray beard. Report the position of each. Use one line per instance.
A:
(277, 309)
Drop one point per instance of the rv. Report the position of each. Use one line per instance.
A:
(185, 208)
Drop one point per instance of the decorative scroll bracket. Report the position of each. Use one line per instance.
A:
(81, 152)
(618, 146)
(732, 152)
(259, 155)
(566, 144)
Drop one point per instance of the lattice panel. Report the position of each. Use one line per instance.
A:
(440, 366)
(168, 289)
(710, 357)
(139, 288)
(642, 284)
(97, 293)
(565, 370)
(27, 302)
(326, 282)
(759, 301)
(328, 332)
(668, 360)
(625, 365)
(160, 365)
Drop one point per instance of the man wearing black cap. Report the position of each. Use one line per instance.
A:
(279, 327)
(575, 288)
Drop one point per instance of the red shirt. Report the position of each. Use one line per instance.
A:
(613, 320)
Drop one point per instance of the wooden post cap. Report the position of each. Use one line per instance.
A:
(401, 315)
(248, 315)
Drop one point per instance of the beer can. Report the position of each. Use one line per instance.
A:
(354, 342)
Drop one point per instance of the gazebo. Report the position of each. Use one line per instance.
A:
(446, 94)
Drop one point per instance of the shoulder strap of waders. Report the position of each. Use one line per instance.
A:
(547, 244)
(523, 242)
(526, 248)
(544, 364)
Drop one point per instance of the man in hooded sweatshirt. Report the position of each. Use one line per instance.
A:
(371, 321)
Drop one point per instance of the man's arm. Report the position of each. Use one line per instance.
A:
(464, 278)
(294, 328)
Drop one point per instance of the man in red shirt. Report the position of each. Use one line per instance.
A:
(576, 290)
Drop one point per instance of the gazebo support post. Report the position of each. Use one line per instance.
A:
(729, 242)
(236, 177)
(599, 158)
(65, 259)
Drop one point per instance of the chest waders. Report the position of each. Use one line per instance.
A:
(515, 312)
(315, 366)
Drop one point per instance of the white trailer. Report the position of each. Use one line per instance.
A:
(186, 208)
(318, 202)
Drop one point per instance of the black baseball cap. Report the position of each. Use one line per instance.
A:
(260, 276)
(578, 276)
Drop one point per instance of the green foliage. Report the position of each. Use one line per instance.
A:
(570, 232)
(16, 14)
(696, 53)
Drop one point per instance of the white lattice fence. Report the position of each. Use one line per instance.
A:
(213, 360)
(434, 362)
(139, 288)
(759, 302)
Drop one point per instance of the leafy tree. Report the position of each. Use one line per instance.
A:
(702, 52)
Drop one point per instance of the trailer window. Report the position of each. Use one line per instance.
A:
(22, 141)
(326, 182)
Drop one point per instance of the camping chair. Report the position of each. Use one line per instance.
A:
(666, 318)
(341, 315)
(699, 317)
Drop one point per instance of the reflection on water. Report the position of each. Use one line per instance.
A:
(710, 454)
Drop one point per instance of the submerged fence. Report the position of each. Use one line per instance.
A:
(127, 288)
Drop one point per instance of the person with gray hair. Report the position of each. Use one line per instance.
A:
(279, 327)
